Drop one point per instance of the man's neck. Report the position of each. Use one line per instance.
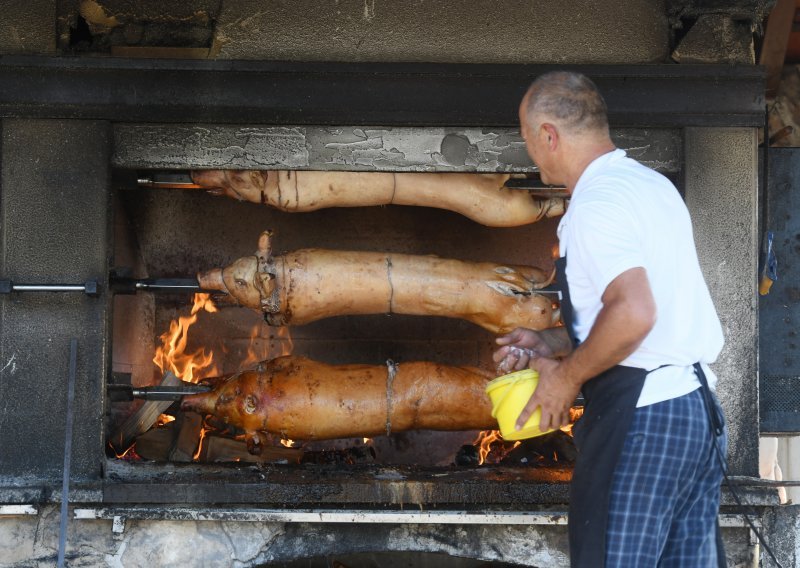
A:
(580, 160)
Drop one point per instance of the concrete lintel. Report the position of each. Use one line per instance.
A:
(150, 146)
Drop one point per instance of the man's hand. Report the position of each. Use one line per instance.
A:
(525, 348)
(518, 348)
(555, 393)
(521, 345)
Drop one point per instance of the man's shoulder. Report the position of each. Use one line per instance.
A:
(627, 169)
(627, 179)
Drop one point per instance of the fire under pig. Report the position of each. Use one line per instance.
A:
(301, 399)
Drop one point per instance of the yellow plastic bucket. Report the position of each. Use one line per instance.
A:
(510, 394)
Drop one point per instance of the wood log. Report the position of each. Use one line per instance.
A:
(312, 284)
(156, 443)
(190, 424)
(222, 449)
(300, 399)
(143, 419)
(481, 197)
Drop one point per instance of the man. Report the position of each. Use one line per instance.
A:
(639, 330)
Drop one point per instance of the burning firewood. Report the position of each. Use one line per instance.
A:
(481, 197)
(311, 284)
(297, 398)
(141, 420)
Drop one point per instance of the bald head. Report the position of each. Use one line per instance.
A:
(569, 100)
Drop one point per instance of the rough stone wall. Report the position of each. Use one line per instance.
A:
(480, 31)
(722, 195)
(28, 27)
(32, 542)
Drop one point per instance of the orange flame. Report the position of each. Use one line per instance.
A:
(282, 341)
(260, 349)
(171, 356)
(129, 454)
(253, 356)
(287, 442)
(574, 413)
(484, 442)
(203, 431)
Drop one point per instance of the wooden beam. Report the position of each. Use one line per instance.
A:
(776, 39)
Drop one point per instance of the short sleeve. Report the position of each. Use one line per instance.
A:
(605, 241)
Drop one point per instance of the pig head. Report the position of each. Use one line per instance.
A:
(247, 280)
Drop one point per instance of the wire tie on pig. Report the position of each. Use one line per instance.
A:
(391, 286)
(391, 371)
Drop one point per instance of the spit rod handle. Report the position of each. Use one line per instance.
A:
(90, 287)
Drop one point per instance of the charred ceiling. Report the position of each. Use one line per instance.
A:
(353, 30)
(115, 26)
(753, 10)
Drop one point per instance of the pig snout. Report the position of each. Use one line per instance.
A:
(212, 280)
(201, 403)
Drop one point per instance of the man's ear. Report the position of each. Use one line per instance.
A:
(551, 133)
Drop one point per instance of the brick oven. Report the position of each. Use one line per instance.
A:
(93, 156)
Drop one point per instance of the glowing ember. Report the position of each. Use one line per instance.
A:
(287, 442)
(172, 356)
(129, 454)
(164, 419)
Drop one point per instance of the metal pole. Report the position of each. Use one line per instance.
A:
(62, 535)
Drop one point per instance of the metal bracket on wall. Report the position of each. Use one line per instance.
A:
(90, 287)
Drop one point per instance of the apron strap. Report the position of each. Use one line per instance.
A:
(565, 304)
(715, 418)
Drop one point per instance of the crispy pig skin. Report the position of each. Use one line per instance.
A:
(301, 399)
(481, 197)
(311, 284)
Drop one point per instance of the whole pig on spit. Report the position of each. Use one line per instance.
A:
(481, 197)
(311, 284)
(301, 399)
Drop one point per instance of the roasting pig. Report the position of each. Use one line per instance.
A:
(310, 284)
(301, 399)
(481, 197)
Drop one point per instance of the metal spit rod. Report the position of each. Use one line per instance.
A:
(124, 285)
(128, 392)
(117, 285)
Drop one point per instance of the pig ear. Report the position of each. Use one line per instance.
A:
(267, 284)
(264, 245)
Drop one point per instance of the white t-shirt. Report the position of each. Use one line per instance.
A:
(623, 215)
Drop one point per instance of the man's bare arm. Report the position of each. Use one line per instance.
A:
(627, 316)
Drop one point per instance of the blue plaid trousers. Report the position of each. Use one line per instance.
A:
(666, 489)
